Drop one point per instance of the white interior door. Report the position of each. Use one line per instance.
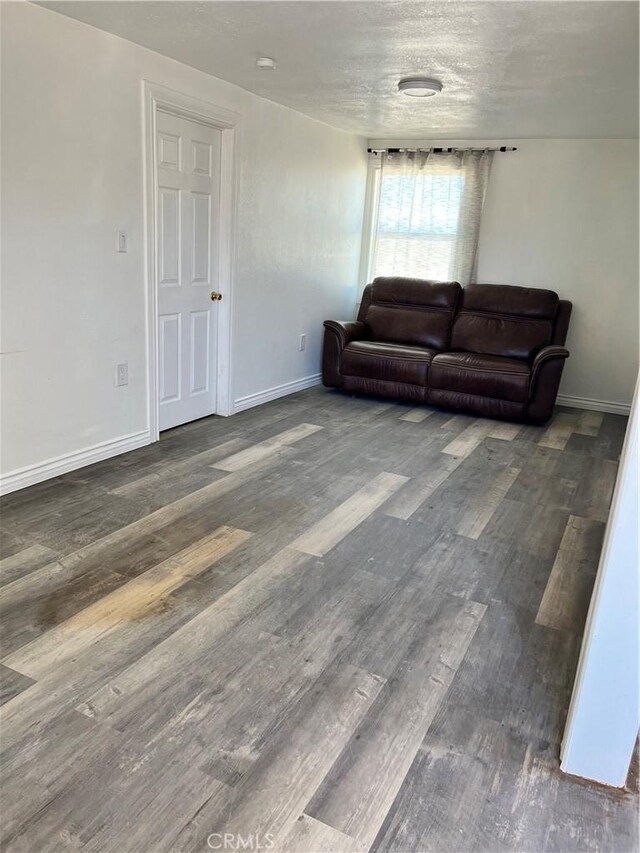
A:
(187, 229)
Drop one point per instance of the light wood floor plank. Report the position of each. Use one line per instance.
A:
(266, 448)
(559, 431)
(130, 602)
(412, 495)
(332, 528)
(571, 578)
(505, 431)
(416, 416)
(469, 438)
(309, 835)
(589, 423)
(476, 518)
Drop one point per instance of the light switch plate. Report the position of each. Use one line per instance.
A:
(122, 374)
(121, 242)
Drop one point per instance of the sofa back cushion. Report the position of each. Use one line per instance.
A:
(410, 311)
(498, 319)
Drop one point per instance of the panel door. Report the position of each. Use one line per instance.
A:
(187, 229)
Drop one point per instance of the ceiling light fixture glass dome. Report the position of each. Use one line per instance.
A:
(266, 63)
(419, 87)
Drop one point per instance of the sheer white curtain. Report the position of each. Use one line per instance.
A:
(429, 214)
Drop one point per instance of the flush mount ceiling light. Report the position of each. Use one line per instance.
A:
(419, 87)
(265, 63)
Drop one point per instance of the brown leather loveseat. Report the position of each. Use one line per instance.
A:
(488, 349)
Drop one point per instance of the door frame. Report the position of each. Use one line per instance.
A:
(157, 97)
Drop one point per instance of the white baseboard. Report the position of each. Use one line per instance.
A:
(251, 400)
(31, 474)
(593, 405)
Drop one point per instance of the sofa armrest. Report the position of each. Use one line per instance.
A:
(337, 334)
(347, 330)
(546, 354)
(546, 371)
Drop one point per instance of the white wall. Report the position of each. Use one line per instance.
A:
(72, 169)
(604, 715)
(563, 214)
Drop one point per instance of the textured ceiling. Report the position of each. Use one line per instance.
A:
(509, 69)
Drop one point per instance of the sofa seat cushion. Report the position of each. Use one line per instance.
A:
(482, 375)
(389, 362)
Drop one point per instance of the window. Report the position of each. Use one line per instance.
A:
(425, 214)
(418, 220)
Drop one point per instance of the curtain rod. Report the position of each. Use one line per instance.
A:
(502, 148)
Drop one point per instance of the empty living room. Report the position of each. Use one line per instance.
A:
(319, 426)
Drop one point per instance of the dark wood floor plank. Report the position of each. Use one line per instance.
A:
(364, 782)
(500, 794)
(496, 739)
(25, 561)
(12, 683)
(273, 793)
(483, 571)
(238, 715)
(594, 493)
(141, 817)
(178, 471)
(28, 610)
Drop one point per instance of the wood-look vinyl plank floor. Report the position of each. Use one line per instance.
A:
(329, 623)
(131, 602)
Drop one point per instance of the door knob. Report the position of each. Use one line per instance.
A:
(215, 296)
